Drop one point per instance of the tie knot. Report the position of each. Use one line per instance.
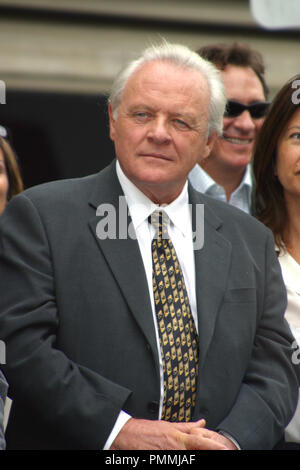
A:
(160, 220)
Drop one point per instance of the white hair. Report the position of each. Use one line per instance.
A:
(180, 56)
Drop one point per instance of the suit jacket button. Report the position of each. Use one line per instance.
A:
(153, 407)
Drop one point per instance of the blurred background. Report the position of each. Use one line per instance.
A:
(58, 59)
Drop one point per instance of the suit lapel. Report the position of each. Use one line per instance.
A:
(123, 257)
(212, 263)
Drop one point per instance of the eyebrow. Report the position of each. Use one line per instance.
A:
(293, 127)
(175, 114)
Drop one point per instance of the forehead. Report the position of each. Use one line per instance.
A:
(295, 119)
(161, 80)
(242, 84)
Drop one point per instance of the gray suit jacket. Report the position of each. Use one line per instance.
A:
(76, 317)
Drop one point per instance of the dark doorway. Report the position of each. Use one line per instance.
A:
(57, 135)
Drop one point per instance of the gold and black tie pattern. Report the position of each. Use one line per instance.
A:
(177, 331)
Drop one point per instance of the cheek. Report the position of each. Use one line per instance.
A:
(227, 122)
(196, 149)
(258, 125)
(3, 187)
(127, 144)
(283, 170)
(129, 135)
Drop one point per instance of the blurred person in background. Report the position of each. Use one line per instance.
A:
(226, 174)
(10, 176)
(10, 185)
(276, 167)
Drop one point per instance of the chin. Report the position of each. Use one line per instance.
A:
(240, 161)
(153, 176)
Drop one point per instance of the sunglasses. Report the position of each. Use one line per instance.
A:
(257, 110)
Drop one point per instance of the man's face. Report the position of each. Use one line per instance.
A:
(234, 149)
(288, 159)
(160, 129)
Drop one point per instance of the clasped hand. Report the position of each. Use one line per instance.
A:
(142, 434)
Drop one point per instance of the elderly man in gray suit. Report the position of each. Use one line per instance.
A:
(124, 331)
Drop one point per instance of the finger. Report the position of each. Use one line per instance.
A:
(204, 432)
(200, 423)
(188, 427)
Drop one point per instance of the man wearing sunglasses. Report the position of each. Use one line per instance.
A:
(226, 173)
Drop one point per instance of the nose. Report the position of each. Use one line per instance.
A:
(159, 131)
(244, 122)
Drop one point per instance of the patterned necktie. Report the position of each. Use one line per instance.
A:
(177, 332)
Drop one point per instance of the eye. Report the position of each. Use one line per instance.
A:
(180, 124)
(141, 115)
(295, 135)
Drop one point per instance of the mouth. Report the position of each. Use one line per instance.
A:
(237, 141)
(157, 156)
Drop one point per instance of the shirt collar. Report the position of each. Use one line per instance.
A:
(202, 182)
(246, 183)
(247, 179)
(140, 206)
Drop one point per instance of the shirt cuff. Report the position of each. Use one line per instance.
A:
(225, 434)
(121, 420)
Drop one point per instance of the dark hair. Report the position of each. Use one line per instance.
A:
(236, 54)
(12, 169)
(269, 203)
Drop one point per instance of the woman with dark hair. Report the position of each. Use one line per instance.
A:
(276, 167)
(10, 177)
(10, 185)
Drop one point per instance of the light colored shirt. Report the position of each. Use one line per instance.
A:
(180, 231)
(241, 196)
(291, 275)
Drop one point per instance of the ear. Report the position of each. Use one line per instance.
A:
(112, 123)
(209, 144)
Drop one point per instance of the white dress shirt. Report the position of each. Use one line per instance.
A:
(291, 276)
(180, 231)
(241, 196)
